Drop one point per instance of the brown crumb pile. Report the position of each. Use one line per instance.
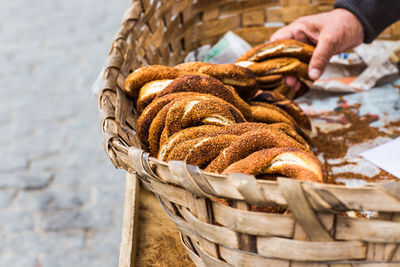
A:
(158, 241)
(335, 144)
(382, 175)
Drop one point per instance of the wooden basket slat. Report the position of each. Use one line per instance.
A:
(310, 251)
(322, 196)
(238, 258)
(217, 234)
(248, 222)
(370, 231)
(209, 260)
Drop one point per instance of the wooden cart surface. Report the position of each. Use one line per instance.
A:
(149, 237)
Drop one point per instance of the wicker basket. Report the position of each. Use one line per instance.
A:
(315, 232)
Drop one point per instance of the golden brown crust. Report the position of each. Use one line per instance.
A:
(280, 66)
(268, 113)
(230, 74)
(285, 90)
(207, 85)
(191, 67)
(144, 75)
(212, 111)
(201, 151)
(281, 48)
(234, 129)
(212, 130)
(287, 105)
(189, 112)
(148, 92)
(156, 129)
(290, 162)
(251, 142)
(242, 79)
(269, 79)
(185, 135)
(151, 111)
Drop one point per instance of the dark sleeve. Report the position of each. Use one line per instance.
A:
(374, 15)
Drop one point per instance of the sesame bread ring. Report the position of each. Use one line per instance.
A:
(268, 113)
(230, 74)
(287, 105)
(184, 135)
(189, 112)
(269, 86)
(244, 127)
(156, 129)
(242, 79)
(192, 67)
(249, 143)
(207, 85)
(233, 75)
(269, 79)
(213, 111)
(285, 90)
(279, 66)
(290, 162)
(148, 92)
(151, 111)
(212, 130)
(201, 151)
(281, 48)
(234, 129)
(141, 76)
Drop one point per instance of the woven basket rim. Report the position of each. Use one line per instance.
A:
(120, 153)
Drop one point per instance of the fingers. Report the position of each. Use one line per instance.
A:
(282, 33)
(300, 30)
(293, 83)
(323, 52)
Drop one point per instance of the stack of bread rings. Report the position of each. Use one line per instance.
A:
(218, 117)
(272, 61)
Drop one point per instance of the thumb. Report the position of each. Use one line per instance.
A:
(323, 52)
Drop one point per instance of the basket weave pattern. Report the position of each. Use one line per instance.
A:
(315, 231)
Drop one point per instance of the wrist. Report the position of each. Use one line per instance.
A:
(351, 20)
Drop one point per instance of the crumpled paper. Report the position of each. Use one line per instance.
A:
(368, 65)
(227, 50)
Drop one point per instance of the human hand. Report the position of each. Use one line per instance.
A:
(332, 32)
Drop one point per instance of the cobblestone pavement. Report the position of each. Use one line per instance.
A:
(60, 198)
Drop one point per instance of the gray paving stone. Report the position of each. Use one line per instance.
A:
(1, 243)
(63, 220)
(6, 197)
(36, 243)
(10, 163)
(12, 221)
(33, 200)
(18, 261)
(79, 258)
(103, 241)
(25, 180)
(104, 174)
(54, 173)
(52, 199)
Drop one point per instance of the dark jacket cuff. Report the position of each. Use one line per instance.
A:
(374, 15)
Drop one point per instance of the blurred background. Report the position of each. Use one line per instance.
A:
(61, 200)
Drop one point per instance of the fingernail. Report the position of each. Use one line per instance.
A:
(314, 74)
